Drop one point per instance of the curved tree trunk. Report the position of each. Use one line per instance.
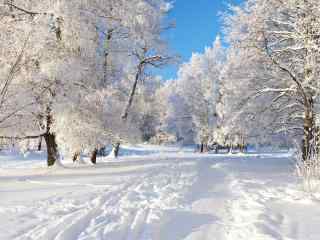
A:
(133, 91)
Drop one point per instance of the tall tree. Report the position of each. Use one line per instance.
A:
(283, 36)
(198, 83)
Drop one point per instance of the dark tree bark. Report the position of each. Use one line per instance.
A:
(10, 2)
(52, 148)
(108, 36)
(242, 147)
(75, 156)
(203, 147)
(58, 29)
(308, 144)
(50, 139)
(133, 91)
(116, 148)
(40, 144)
(93, 157)
(144, 61)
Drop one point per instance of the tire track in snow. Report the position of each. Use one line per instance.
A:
(51, 229)
(111, 213)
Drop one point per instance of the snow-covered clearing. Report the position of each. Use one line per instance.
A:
(159, 194)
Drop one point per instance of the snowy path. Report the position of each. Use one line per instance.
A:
(251, 198)
(167, 196)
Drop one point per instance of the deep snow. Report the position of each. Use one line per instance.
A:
(157, 193)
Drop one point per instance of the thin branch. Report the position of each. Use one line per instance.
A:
(10, 4)
(22, 138)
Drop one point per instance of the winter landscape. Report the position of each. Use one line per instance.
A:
(159, 120)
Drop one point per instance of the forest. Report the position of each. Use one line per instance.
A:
(80, 82)
(80, 75)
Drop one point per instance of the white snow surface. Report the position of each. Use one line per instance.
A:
(156, 193)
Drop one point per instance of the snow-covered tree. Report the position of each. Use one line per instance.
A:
(283, 38)
(51, 31)
(79, 54)
(198, 84)
(242, 117)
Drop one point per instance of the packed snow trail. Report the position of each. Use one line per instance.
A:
(162, 194)
(249, 197)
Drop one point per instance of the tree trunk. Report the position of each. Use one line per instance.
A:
(93, 157)
(242, 148)
(75, 156)
(52, 148)
(133, 91)
(116, 148)
(106, 57)
(242, 144)
(206, 149)
(216, 150)
(201, 147)
(40, 144)
(308, 137)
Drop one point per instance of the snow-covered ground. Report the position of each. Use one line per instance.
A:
(156, 193)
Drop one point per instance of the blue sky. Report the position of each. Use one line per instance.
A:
(197, 25)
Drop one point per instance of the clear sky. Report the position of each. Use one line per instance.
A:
(197, 25)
